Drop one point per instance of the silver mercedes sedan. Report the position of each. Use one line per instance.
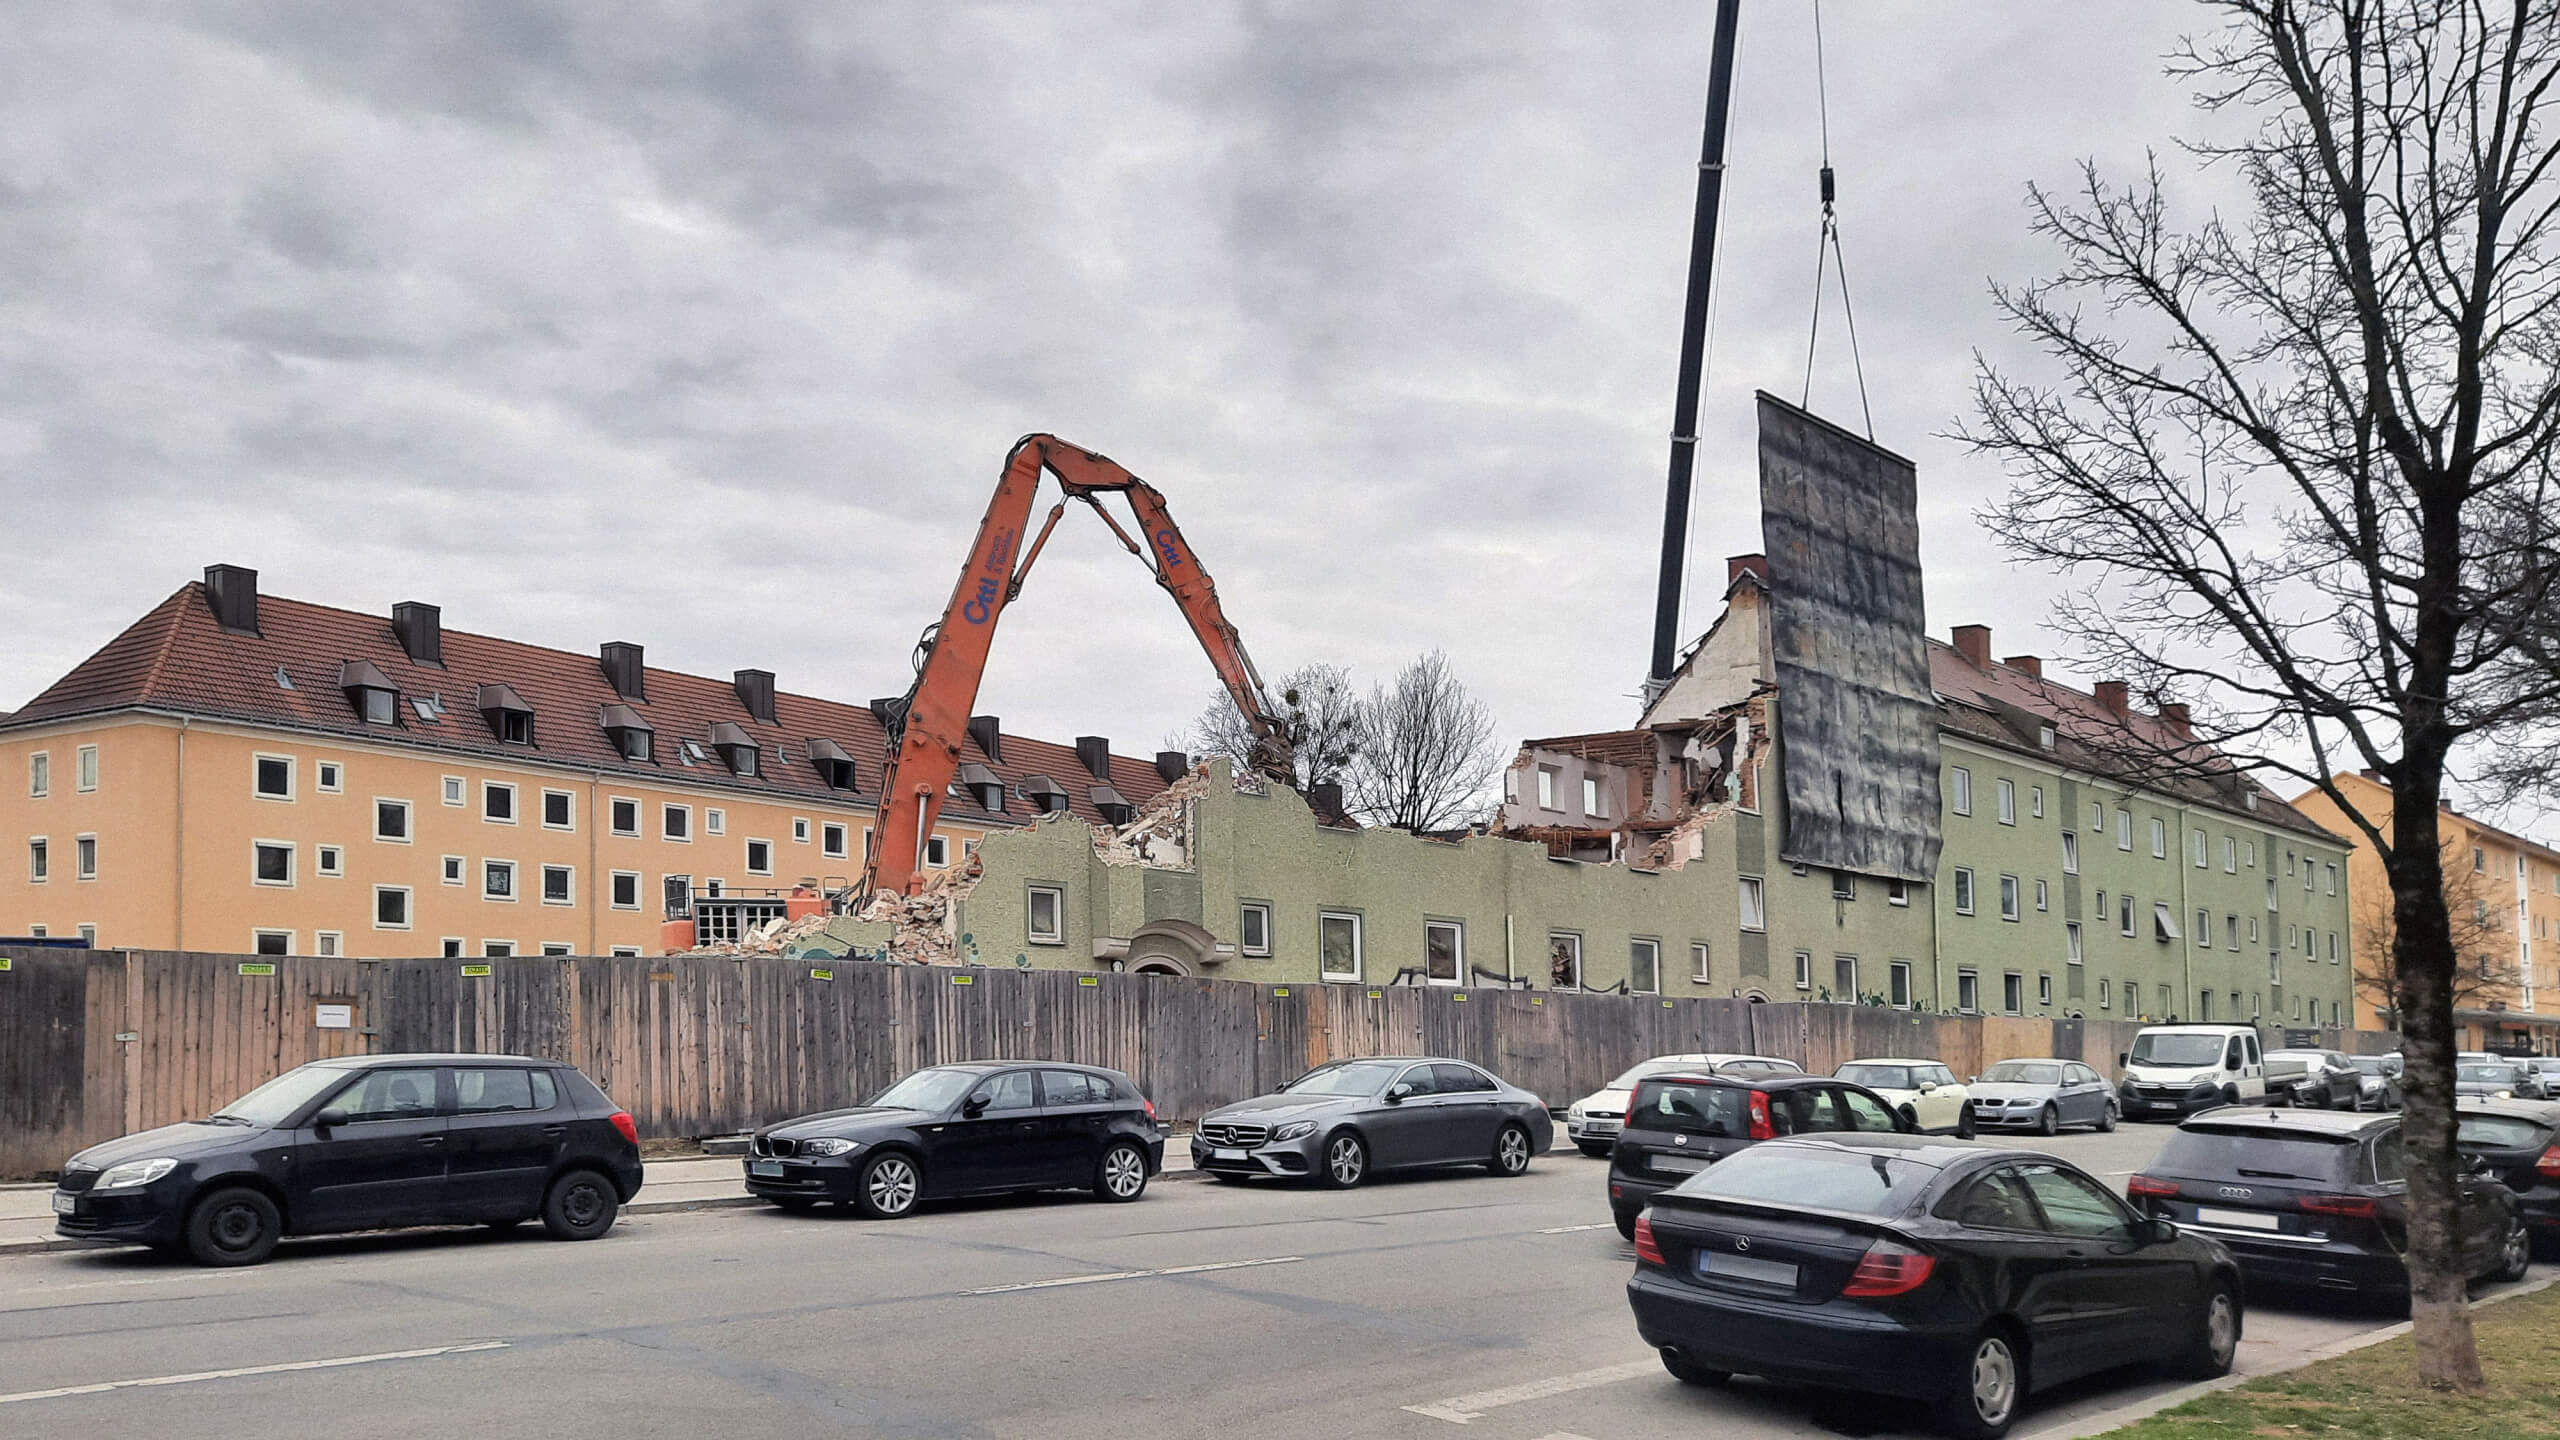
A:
(1340, 1123)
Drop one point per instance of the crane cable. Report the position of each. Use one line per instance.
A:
(1826, 247)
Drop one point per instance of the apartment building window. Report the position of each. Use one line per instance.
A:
(2230, 856)
(498, 880)
(390, 907)
(2200, 849)
(329, 860)
(1444, 952)
(559, 810)
(1564, 959)
(88, 936)
(273, 777)
(84, 853)
(1964, 890)
(2332, 886)
(2306, 874)
(2070, 853)
(39, 775)
(1547, 787)
(2204, 929)
(1960, 787)
(715, 821)
(1044, 915)
(2013, 993)
(2167, 1003)
(2044, 991)
(329, 944)
(1754, 910)
(2008, 802)
(2071, 953)
(2124, 830)
(627, 952)
(1898, 978)
(271, 942)
(391, 821)
(937, 851)
(455, 792)
(497, 949)
(1804, 970)
(1700, 971)
(332, 778)
(2009, 897)
(2106, 994)
(2044, 899)
(2271, 892)
(2035, 801)
(2253, 930)
(498, 802)
(622, 815)
(1897, 892)
(1644, 966)
(2097, 818)
(558, 885)
(626, 889)
(1591, 797)
(2102, 911)
(2231, 931)
(2249, 854)
(1253, 928)
(39, 862)
(2333, 947)
(759, 857)
(2479, 861)
(1969, 992)
(2204, 1005)
(84, 769)
(2159, 838)
(556, 948)
(452, 947)
(799, 830)
(831, 841)
(453, 869)
(2290, 935)
(1844, 979)
(1338, 945)
(1844, 886)
(676, 823)
(2124, 916)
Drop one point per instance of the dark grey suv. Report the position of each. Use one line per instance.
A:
(1339, 1123)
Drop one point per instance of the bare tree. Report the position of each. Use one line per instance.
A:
(2475, 920)
(2302, 459)
(1317, 705)
(1427, 758)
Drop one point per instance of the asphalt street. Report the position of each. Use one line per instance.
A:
(1434, 1307)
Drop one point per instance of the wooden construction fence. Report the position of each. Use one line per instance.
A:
(97, 1043)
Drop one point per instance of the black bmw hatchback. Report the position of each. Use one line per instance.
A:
(363, 1143)
(978, 1129)
(1955, 1274)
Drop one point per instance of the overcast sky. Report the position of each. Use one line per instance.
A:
(708, 327)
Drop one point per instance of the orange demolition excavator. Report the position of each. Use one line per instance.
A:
(927, 728)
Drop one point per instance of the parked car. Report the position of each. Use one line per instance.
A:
(2318, 1201)
(1592, 1122)
(363, 1143)
(2180, 1069)
(977, 1129)
(1678, 1125)
(2042, 1095)
(2377, 1081)
(1339, 1124)
(2326, 1080)
(1926, 1092)
(2497, 1080)
(2517, 1142)
(2546, 1069)
(1953, 1274)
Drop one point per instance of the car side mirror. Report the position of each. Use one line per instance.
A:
(1397, 1092)
(2123, 1058)
(329, 1119)
(973, 1107)
(1928, 1085)
(2158, 1230)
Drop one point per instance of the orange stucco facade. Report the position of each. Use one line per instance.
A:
(192, 843)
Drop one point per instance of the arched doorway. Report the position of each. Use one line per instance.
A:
(1170, 947)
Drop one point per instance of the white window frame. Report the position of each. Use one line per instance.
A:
(1458, 932)
(625, 952)
(2124, 831)
(329, 944)
(330, 777)
(1591, 798)
(89, 936)
(39, 859)
(613, 887)
(613, 803)
(569, 870)
(2329, 884)
(2035, 801)
(84, 769)
(571, 824)
(2044, 895)
(515, 886)
(1968, 978)
(1899, 976)
(2200, 849)
(937, 851)
(1547, 776)
(748, 847)
(2044, 989)
(329, 861)
(40, 774)
(1244, 946)
(1634, 945)
(2204, 928)
(408, 822)
(2013, 992)
(2010, 908)
(799, 829)
(1358, 944)
(256, 937)
(1701, 963)
(457, 791)
(667, 812)
(832, 840)
(1581, 960)
(2106, 993)
(292, 777)
(1897, 892)
(557, 949)
(455, 870)
(2159, 838)
(1057, 933)
(1804, 971)
(497, 949)
(715, 820)
(2008, 801)
(84, 856)
(488, 789)
(408, 907)
(1752, 900)
(2230, 856)
(2070, 853)
(450, 946)
(2128, 923)
(1960, 790)
(2072, 951)
(1961, 892)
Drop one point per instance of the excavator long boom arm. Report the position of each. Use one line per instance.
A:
(924, 754)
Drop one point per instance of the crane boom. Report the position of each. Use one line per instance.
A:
(929, 728)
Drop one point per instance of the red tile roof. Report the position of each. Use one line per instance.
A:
(177, 658)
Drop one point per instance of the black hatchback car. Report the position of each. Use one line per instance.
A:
(364, 1143)
(1956, 1274)
(2318, 1200)
(2517, 1143)
(953, 1130)
(1678, 1125)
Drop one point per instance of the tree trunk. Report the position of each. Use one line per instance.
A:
(2424, 961)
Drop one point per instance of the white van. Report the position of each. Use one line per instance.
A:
(2179, 1069)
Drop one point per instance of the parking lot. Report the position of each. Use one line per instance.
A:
(1408, 1308)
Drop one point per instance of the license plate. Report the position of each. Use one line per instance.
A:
(765, 1169)
(1226, 1154)
(1776, 1273)
(64, 1204)
(1680, 1164)
(2236, 1219)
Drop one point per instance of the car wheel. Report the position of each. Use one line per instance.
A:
(1596, 1152)
(2230, 1094)
(2048, 1121)
(1987, 1389)
(1626, 1225)
(1911, 1119)
(233, 1226)
(793, 1204)
(1690, 1372)
(581, 1205)
(2515, 1257)
(1964, 1122)
(2217, 1335)
(1122, 1176)
(1510, 1151)
(889, 1186)
(1346, 1161)
(2107, 1119)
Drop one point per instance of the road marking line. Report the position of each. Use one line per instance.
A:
(1459, 1409)
(1133, 1275)
(1576, 1229)
(119, 1284)
(343, 1360)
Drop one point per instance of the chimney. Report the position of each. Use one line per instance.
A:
(1973, 642)
(1737, 566)
(2026, 665)
(755, 691)
(420, 627)
(1095, 752)
(622, 669)
(2177, 717)
(2113, 695)
(233, 590)
(1172, 765)
(989, 733)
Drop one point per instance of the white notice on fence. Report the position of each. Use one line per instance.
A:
(335, 1017)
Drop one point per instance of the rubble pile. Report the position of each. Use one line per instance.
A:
(1160, 835)
(778, 936)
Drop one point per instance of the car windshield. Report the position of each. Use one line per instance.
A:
(1819, 1177)
(2489, 1074)
(2215, 1154)
(1641, 1069)
(2497, 1132)
(1360, 1077)
(2370, 1065)
(934, 1090)
(2023, 1072)
(2174, 1048)
(1879, 1077)
(270, 1103)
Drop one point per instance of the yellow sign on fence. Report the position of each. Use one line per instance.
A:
(475, 972)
